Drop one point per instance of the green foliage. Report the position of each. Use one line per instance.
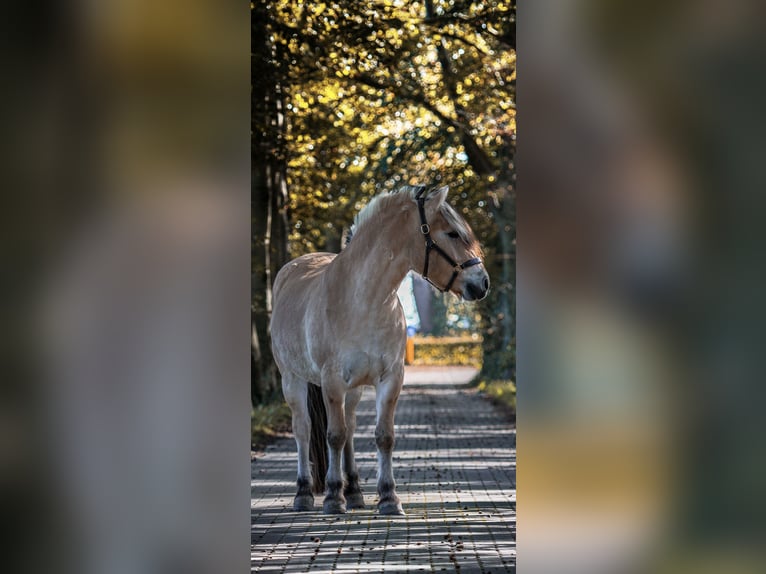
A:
(444, 351)
(439, 314)
(453, 317)
(268, 421)
(369, 108)
(500, 392)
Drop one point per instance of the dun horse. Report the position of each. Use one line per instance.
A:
(337, 325)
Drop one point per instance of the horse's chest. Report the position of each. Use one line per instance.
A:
(359, 358)
(361, 368)
(359, 347)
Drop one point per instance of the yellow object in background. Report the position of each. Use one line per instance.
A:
(409, 354)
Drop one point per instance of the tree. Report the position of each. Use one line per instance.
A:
(269, 190)
(499, 342)
(385, 93)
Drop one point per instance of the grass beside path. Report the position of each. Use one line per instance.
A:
(274, 419)
(267, 422)
(502, 393)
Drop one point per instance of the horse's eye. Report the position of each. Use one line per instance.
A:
(453, 234)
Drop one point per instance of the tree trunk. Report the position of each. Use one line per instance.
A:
(499, 346)
(498, 309)
(269, 195)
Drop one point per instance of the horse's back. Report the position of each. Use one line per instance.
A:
(299, 275)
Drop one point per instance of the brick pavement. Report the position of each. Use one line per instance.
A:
(455, 467)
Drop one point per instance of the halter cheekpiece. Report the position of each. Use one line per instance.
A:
(431, 245)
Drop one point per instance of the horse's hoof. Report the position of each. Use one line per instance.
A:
(333, 506)
(355, 500)
(303, 503)
(391, 508)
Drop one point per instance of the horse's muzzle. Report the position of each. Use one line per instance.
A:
(476, 290)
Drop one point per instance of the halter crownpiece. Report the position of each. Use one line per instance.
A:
(431, 245)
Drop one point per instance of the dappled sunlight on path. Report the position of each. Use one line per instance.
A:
(455, 467)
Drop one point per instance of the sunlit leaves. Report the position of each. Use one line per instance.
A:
(367, 107)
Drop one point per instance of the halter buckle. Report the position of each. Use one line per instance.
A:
(425, 229)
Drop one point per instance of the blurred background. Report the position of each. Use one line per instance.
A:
(639, 363)
(125, 388)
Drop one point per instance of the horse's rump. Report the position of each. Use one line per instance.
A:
(298, 276)
(293, 287)
(296, 286)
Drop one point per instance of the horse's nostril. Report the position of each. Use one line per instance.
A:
(475, 291)
(486, 284)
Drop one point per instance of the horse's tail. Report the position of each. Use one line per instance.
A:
(318, 446)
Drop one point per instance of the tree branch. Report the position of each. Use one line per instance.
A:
(413, 97)
(464, 41)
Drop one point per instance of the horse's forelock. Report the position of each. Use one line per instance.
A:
(348, 233)
(458, 224)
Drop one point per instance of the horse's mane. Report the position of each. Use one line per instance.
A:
(379, 202)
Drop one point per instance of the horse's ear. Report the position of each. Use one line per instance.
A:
(346, 236)
(436, 197)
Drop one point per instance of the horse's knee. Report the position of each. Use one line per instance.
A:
(301, 426)
(336, 439)
(384, 439)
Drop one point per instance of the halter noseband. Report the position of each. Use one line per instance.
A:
(431, 245)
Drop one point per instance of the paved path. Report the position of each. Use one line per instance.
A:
(455, 467)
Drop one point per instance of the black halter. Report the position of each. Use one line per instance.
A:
(431, 245)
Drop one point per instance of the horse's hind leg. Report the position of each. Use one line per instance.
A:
(296, 393)
(387, 394)
(352, 492)
(333, 392)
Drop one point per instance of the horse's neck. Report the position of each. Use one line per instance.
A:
(369, 271)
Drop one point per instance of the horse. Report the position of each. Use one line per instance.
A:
(337, 325)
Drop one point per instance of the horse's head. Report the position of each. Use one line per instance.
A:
(449, 256)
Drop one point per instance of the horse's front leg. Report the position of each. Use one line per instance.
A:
(352, 492)
(387, 394)
(333, 392)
